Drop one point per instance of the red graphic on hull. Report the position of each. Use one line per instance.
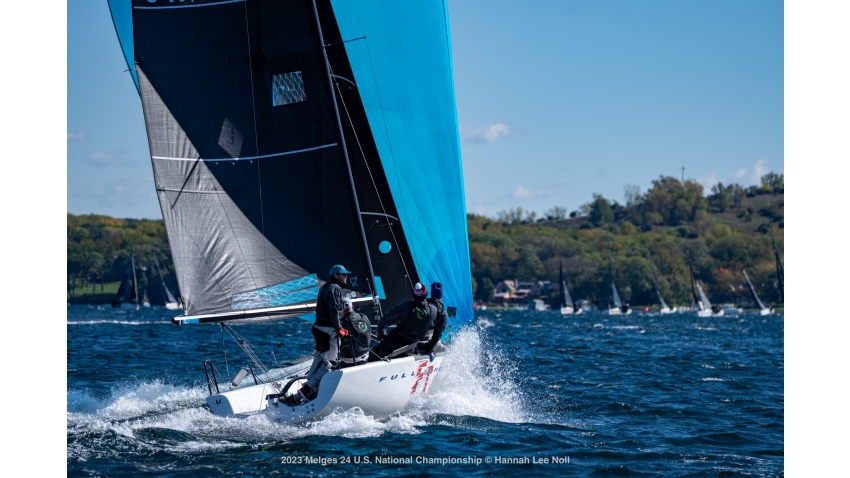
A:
(420, 374)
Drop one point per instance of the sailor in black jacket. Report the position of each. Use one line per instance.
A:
(414, 319)
(329, 314)
(442, 317)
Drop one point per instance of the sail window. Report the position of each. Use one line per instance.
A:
(288, 88)
(385, 247)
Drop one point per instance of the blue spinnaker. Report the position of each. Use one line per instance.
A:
(401, 56)
(122, 18)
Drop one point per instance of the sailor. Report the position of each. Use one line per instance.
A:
(329, 314)
(414, 319)
(442, 317)
(354, 348)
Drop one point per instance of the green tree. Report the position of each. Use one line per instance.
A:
(600, 210)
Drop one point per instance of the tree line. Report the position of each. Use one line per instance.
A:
(99, 249)
(654, 234)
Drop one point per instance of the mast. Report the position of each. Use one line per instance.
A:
(753, 291)
(693, 281)
(135, 283)
(561, 281)
(347, 161)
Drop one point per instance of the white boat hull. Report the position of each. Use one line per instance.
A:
(668, 310)
(378, 388)
(570, 311)
(765, 312)
(172, 306)
(708, 313)
(618, 311)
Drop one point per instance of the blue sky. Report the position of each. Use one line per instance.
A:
(556, 100)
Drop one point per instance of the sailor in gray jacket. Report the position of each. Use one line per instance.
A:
(329, 313)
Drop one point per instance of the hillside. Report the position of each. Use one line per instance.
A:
(723, 233)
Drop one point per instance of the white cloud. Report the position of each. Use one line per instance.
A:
(486, 135)
(105, 158)
(521, 192)
(100, 157)
(743, 176)
(77, 136)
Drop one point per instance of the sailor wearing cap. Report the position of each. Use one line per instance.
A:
(414, 319)
(330, 311)
(439, 325)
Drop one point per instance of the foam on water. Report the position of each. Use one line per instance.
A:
(118, 322)
(475, 382)
(472, 383)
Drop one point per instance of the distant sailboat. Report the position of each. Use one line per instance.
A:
(145, 301)
(665, 309)
(762, 309)
(170, 302)
(127, 296)
(705, 307)
(568, 307)
(619, 308)
(780, 272)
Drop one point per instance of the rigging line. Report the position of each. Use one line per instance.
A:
(242, 342)
(345, 41)
(256, 145)
(389, 142)
(372, 178)
(246, 347)
(410, 244)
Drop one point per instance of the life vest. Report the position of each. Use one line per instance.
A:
(359, 335)
(419, 321)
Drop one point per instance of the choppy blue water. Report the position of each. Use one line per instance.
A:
(639, 394)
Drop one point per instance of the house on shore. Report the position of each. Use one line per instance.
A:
(509, 292)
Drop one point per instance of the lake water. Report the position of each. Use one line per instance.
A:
(525, 392)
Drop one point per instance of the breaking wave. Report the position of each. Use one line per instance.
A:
(155, 415)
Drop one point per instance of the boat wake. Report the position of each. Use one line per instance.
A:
(154, 415)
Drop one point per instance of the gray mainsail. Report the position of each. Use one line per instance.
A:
(566, 300)
(694, 284)
(166, 292)
(251, 160)
(706, 305)
(753, 292)
(614, 294)
(658, 293)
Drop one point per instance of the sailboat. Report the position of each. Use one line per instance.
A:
(170, 302)
(705, 307)
(780, 271)
(286, 137)
(665, 309)
(127, 296)
(619, 308)
(762, 309)
(567, 305)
